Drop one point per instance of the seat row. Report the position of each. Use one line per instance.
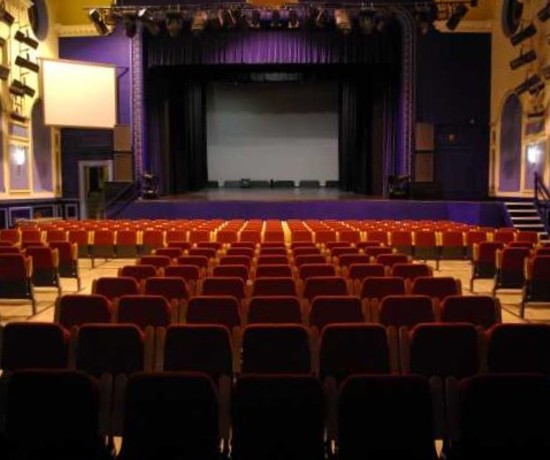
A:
(457, 350)
(183, 415)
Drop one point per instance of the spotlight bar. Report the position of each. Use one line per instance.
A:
(5, 16)
(22, 62)
(18, 117)
(99, 23)
(523, 59)
(21, 37)
(19, 88)
(457, 15)
(544, 13)
(523, 34)
(528, 84)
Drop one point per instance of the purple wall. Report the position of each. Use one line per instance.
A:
(510, 145)
(2, 182)
(42, 175)
(111, 49)
(453, 93)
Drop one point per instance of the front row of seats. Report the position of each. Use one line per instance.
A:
(177, 415)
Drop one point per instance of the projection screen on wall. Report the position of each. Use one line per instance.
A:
(79, 94)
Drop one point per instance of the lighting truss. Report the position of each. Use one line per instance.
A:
(286, 16)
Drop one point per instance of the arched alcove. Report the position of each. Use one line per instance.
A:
(510, 145)
(42, 168)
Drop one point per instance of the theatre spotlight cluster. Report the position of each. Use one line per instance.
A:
(366, 17)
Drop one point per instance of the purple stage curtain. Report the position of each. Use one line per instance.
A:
(368, 69)
(274, 47)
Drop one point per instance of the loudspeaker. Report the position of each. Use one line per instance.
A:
(123, 167)
(423, 167)
(122, 138)
(424, 137)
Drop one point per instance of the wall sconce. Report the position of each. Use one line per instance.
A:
(533, 153)
(19, 156)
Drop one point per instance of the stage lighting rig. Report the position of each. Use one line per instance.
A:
(544, 13)
(5, 16)
(27, 64)
(458, 13)
(130, 25)
(19, 88)
(174, 24)
(523, 34)
(523, 59)
(4, 72)
(532, 84)
(99, 22)
(25, 39)
(148, 20)
(199, 21)
(342, 21)
(293, 19)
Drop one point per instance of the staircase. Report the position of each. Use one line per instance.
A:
(525, 217)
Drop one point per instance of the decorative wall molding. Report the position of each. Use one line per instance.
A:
(474, 27)
(79, 30)
(137, 103)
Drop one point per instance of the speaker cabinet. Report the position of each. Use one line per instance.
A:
(423, 167)
(424, 137)
(123, 167)
(122, 138)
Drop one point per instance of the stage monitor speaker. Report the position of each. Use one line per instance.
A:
(424, 134)
(123, 167)
(423, 167)
(425, 191)
(122, 138)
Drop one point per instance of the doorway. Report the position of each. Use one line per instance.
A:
(92, 177)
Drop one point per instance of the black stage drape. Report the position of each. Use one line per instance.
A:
(367, 69)
(177, 132)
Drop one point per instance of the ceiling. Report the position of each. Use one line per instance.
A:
(73, 12)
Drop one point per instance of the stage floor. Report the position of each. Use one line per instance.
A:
(252, 194)
(319, 203)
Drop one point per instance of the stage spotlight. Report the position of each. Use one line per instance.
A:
(293, 19)
(239, 18)
(18, 117)
(456, 16)
(522, 59)
(276, 20)
(523, 34)
(322, 18)
(21, 37)
(365, 20)
(98, 22)
(342, 21)
(4, 72)
(19, 88)
(148, 20)
(5, 16)
(26, 63)
(174, 24)
(424, 18)
(226, 18)
(528, 85)
(199, 21)
(254, 21)
(381, 22)
(544, 13)
(129, 24)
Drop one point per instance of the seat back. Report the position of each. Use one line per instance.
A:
(273, 271)
(274, 309)
(224, 285)
(34, 345)
(214, 309)
(309, 270)
(518, 348)
(113, 287)
(411, 271)
(406, 310)
(324, 285)
(278, 417)
(276, 349)
(170, 415)
(169, 287)
(444, 350)
(335, 309)
(144, 310)
(68, 417)
(347, 349)
(109, 348)
(273, 286)
(479, 310)
(379, 287)
(78, 309)
(438, 287)
(395, 414)
(138, 272)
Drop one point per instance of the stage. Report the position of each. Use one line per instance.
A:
(309, 204)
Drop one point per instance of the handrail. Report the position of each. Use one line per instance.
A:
(123, 198)
(542, 201)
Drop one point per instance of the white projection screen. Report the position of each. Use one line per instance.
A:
(279, 131)
(79, 94)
